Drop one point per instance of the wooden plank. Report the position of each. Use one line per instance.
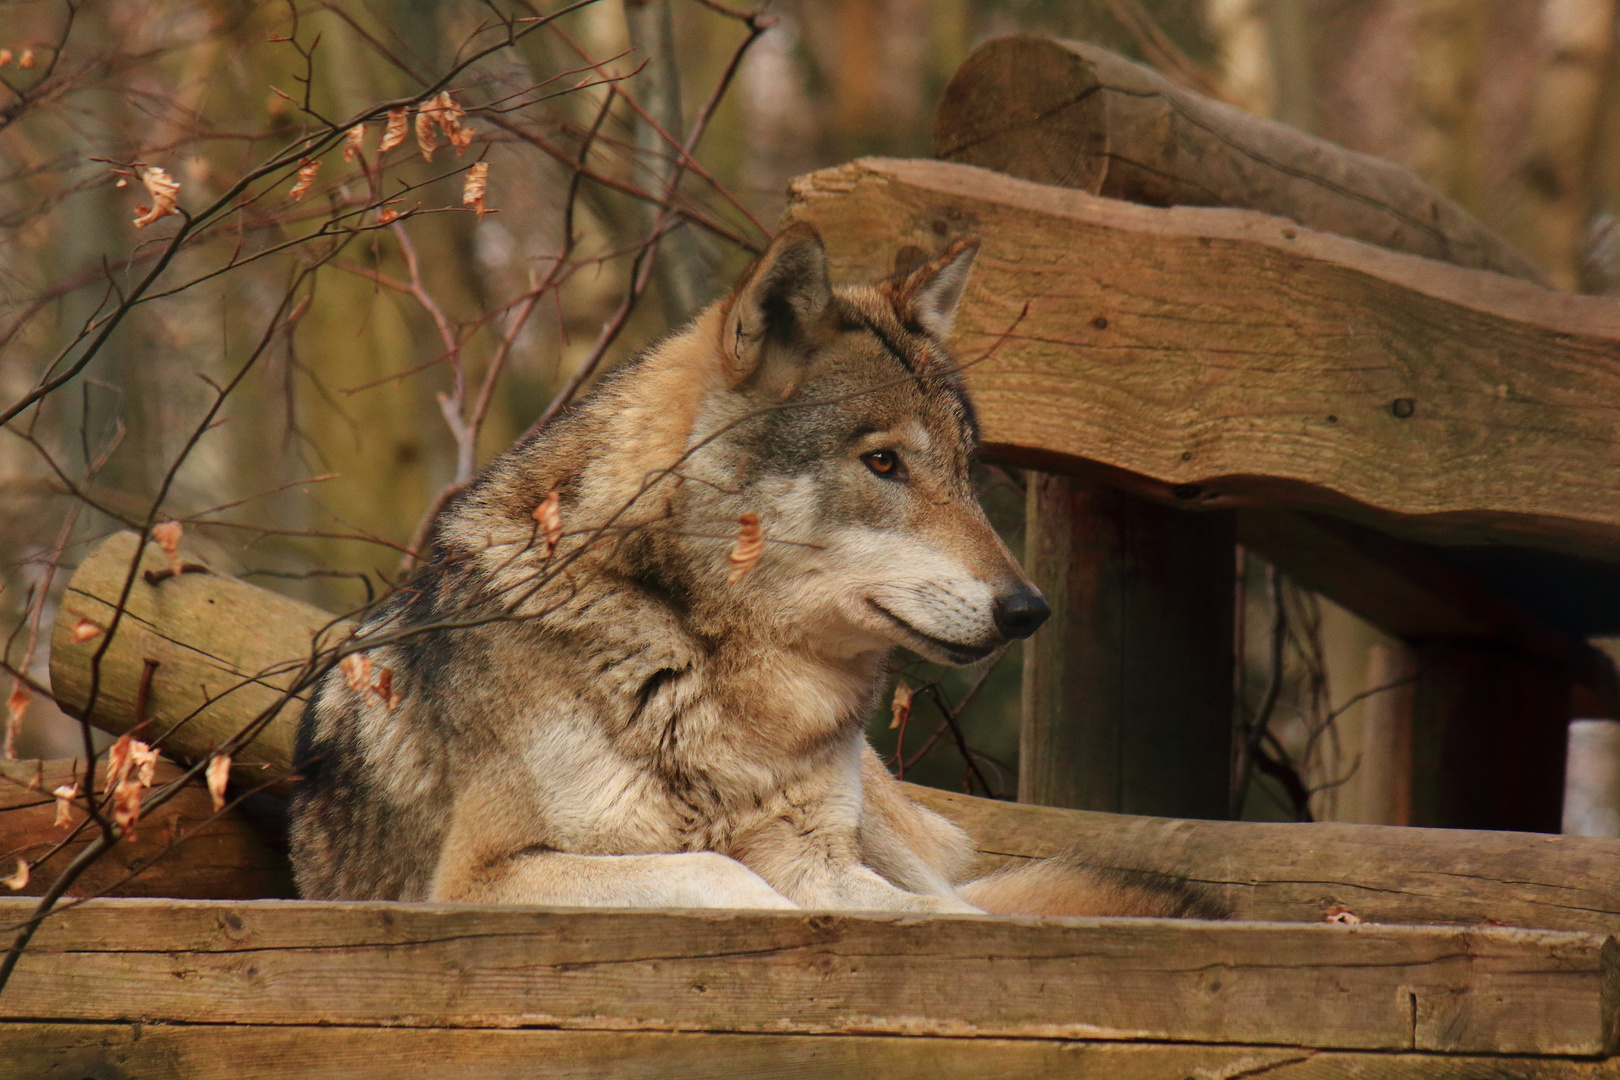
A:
(1294, 872)
(169, 1052)
(1127, 702)
(1073, 114)
(1223, 357)
(1325, 986)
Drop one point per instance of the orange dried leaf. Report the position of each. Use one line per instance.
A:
(548, 515)
(84, 630)
(16, 706)
(64, 795)
(750, 545)
(1338, 913)
(5, 57)
(357, 670)
(426, 140)
(394, 132)
(127, 807)
(384, 688)
(387, 215)
(167, 537)
(217, 773)
(163, 188)
(353, 142)
(19, 880)
(472, 192)
(26, 60)
(901, 705)
(144, 760)
(306, 177)
(119, 759)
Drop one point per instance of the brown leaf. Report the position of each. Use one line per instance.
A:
(16, 706)
(163, 188)
(472, 192)
(217, 773)
(306, 177)
(144, 759)
(394, 132)
(167, 536)
(5, 57)
(84, 630)
(426, 140)
(548, 516)
(901, 705)
(119, 758)
(354, 142)
(387, 215)
(1338, 913)
(26, 60)
(127, 807)
(19, 880)
(357, 669)
(384, 688)
(750, 545)
(65, 794)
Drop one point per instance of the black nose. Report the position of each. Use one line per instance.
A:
(1020, 613)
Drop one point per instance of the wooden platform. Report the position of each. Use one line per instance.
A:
(284, 988)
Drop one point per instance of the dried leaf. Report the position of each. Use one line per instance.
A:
(127, 807)
(306, 177)
(144, 759)
(357, 669)
(163, 188)
(19, 880)
(123, 181)
(548, 516)
(750, 545)
(26, 60)
(384, 688)
(119, 759)
(217, 773)
(1338, 913)
(901, 705)
(394, 133)
(5, 57)
(354, 142)
(16, 706)
(387, 215)
(472, 192)
(426, 140)
(65, 794)
(84, 630)
(167, 537)
(449, 115)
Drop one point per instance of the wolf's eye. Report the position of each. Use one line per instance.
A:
(885, 463)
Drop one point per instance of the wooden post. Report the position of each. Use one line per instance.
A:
(1128, 689)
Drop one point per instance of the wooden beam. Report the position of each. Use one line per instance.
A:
(1127, 702)
(1221, 357)
(1443, 989)
(50, 1051)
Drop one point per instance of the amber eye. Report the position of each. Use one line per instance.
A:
(885, 463)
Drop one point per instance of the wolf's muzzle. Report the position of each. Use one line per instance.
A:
(1019, 613)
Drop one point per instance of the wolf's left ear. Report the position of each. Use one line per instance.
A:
(929, 296)
(780, 309)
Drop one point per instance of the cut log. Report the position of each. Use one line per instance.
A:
(1075, 115)
(1210, 358)
(1263, 871)
(1392, 988)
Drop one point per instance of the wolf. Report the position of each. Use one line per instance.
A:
(594, 696)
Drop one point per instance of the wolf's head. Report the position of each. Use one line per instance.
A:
(837, 416)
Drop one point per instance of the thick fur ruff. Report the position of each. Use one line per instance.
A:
(627, 717)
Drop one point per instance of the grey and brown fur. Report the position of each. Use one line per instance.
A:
(616, 722)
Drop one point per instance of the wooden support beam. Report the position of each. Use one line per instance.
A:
(1391, 988)
(1127, 702)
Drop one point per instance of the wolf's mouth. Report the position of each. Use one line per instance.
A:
(959, 653)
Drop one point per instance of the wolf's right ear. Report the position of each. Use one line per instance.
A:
(781, 306)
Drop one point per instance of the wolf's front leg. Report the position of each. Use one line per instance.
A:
(692, 880)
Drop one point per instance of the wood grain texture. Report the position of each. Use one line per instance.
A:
(1455, 990)
(180, 849)
(1294, 872)
(1075, 115)
(45, 1051)
(1218, 357)
(225, 649)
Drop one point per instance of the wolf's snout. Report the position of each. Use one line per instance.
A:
(1020, 613)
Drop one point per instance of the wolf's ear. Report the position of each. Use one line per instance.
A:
(929, 296)
(781, 307)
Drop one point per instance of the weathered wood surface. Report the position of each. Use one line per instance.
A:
(225, 651)
(1284, 872)
(45, 1051)
(1075, 115)
(1137, 590)
(1295, 872)
(1219, 357)
(1456, 990)
(180, 849)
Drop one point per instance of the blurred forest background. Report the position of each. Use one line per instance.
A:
(387, 337)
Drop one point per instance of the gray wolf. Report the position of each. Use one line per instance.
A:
(595, 708)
